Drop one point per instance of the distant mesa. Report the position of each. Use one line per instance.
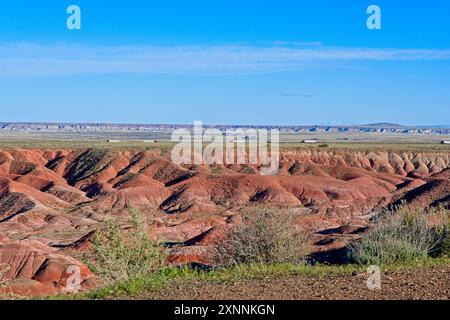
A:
(383, 124)
(381, 127)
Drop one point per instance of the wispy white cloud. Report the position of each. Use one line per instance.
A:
(299, 95)
(39, 60)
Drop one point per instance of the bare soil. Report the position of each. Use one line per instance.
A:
(431, 283)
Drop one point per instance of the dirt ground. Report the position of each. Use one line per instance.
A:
(428, 284)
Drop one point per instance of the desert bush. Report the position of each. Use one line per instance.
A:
(443, 246)
(4, 268)
(403, 235)
(122, 254)
(323, 145)
(265, 236)
(5, 289)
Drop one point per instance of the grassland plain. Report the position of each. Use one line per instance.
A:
(166, 146)
(348, 140)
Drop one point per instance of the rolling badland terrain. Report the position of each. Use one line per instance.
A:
(53, 200)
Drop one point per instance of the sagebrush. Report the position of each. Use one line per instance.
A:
(4, 268)
(122, 254)
(265, 236)
(403, 235)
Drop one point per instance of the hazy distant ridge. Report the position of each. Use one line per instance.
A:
(108, 127)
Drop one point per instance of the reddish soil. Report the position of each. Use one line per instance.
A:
(424, 284)
(51, 200)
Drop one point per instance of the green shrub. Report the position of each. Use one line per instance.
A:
(120, 255)
(403, 235)
(266, 236)
(443, 248)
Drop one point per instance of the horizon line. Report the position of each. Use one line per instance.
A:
(376, 124)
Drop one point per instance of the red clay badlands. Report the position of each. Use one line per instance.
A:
(51, 201)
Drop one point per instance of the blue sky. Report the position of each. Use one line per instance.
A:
(227, 62)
